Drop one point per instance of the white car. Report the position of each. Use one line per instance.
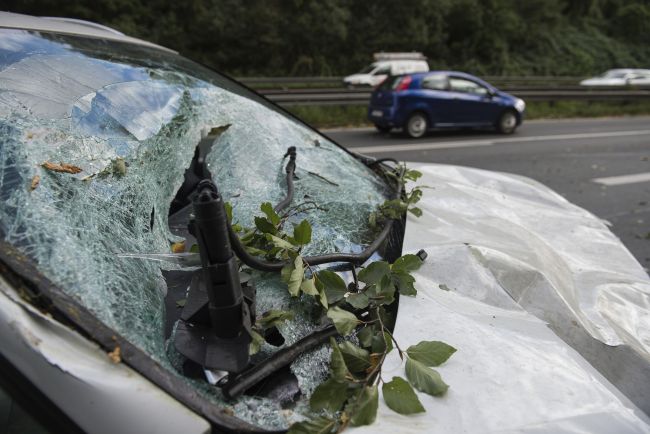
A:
(113, 153)
(387, 64)
(620, 77)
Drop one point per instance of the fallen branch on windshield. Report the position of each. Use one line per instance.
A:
(349, 397)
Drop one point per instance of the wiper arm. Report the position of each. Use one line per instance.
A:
(353, 258)
(239, 383)
(290, 169)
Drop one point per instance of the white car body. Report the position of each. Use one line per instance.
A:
(620, 77)
(549, 312)
(378, 71)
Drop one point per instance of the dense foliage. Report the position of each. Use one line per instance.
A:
(335, 37)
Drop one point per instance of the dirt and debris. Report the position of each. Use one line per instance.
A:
(228, 411)
(35, 181)
(61, 167)
(178, 247)
(115, 355)
(117, 168)
(217, 131)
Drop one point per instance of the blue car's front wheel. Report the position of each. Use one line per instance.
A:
(416, 125)
(507, 122)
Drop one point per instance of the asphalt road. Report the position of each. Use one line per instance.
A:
(602, 165)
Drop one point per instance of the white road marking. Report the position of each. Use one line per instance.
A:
(624, 179)
(471, 143)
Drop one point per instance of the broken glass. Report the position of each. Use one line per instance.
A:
(129, 119)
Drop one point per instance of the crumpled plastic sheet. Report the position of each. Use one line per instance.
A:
(75, 225)
(550, 313)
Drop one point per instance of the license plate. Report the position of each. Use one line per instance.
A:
(377, 113)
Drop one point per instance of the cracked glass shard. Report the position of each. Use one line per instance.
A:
(76, 101)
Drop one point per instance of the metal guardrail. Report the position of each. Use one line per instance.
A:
(330, 90)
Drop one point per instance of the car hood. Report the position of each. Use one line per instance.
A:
(541, 301)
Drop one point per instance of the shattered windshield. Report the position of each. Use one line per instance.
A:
(95, 138)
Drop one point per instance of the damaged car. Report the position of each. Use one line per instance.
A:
(178, 254)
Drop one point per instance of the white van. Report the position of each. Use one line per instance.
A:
(386, 64)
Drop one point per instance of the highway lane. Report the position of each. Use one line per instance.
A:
(602, 165)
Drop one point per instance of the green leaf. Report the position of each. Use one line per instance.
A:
(363, 410)
(415, 211)
(344, 321)
(194, 248)
(285, 273)
(365, 336)
(357, 300)
(393, 209)
(274, 317)
(374, 272)
(317, 425)
(322, 296)
(265, 226)
(414, 196)
(431, 353)
(338, 368)
(279, 242)
(302, 233)
(400, 397)
(308, 286)
(255, 251)
(425, 379)
(412, 174)
(407, 263)
(356, 359)
(296, 276)
(380, 343)
(256, 342)
(334, 286)
(404, 283)
(386, 290)
(228, 208)
(329, 396)
(271, 215)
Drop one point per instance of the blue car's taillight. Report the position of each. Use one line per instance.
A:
(403, 83)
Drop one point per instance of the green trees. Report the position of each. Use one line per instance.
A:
(335, 37)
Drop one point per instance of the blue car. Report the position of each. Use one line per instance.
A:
(441, 99)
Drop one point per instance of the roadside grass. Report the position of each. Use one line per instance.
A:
(586, 109)
(332, 116)
(355, 115)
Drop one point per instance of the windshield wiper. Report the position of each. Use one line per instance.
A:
(352, 258)
(290, 169)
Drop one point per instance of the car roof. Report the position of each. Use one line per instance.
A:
(70, 26)
(421, 75)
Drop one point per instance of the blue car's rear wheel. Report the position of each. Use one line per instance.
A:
(416, 125)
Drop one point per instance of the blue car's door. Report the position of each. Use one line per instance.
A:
(435, 91)
(472, 103)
